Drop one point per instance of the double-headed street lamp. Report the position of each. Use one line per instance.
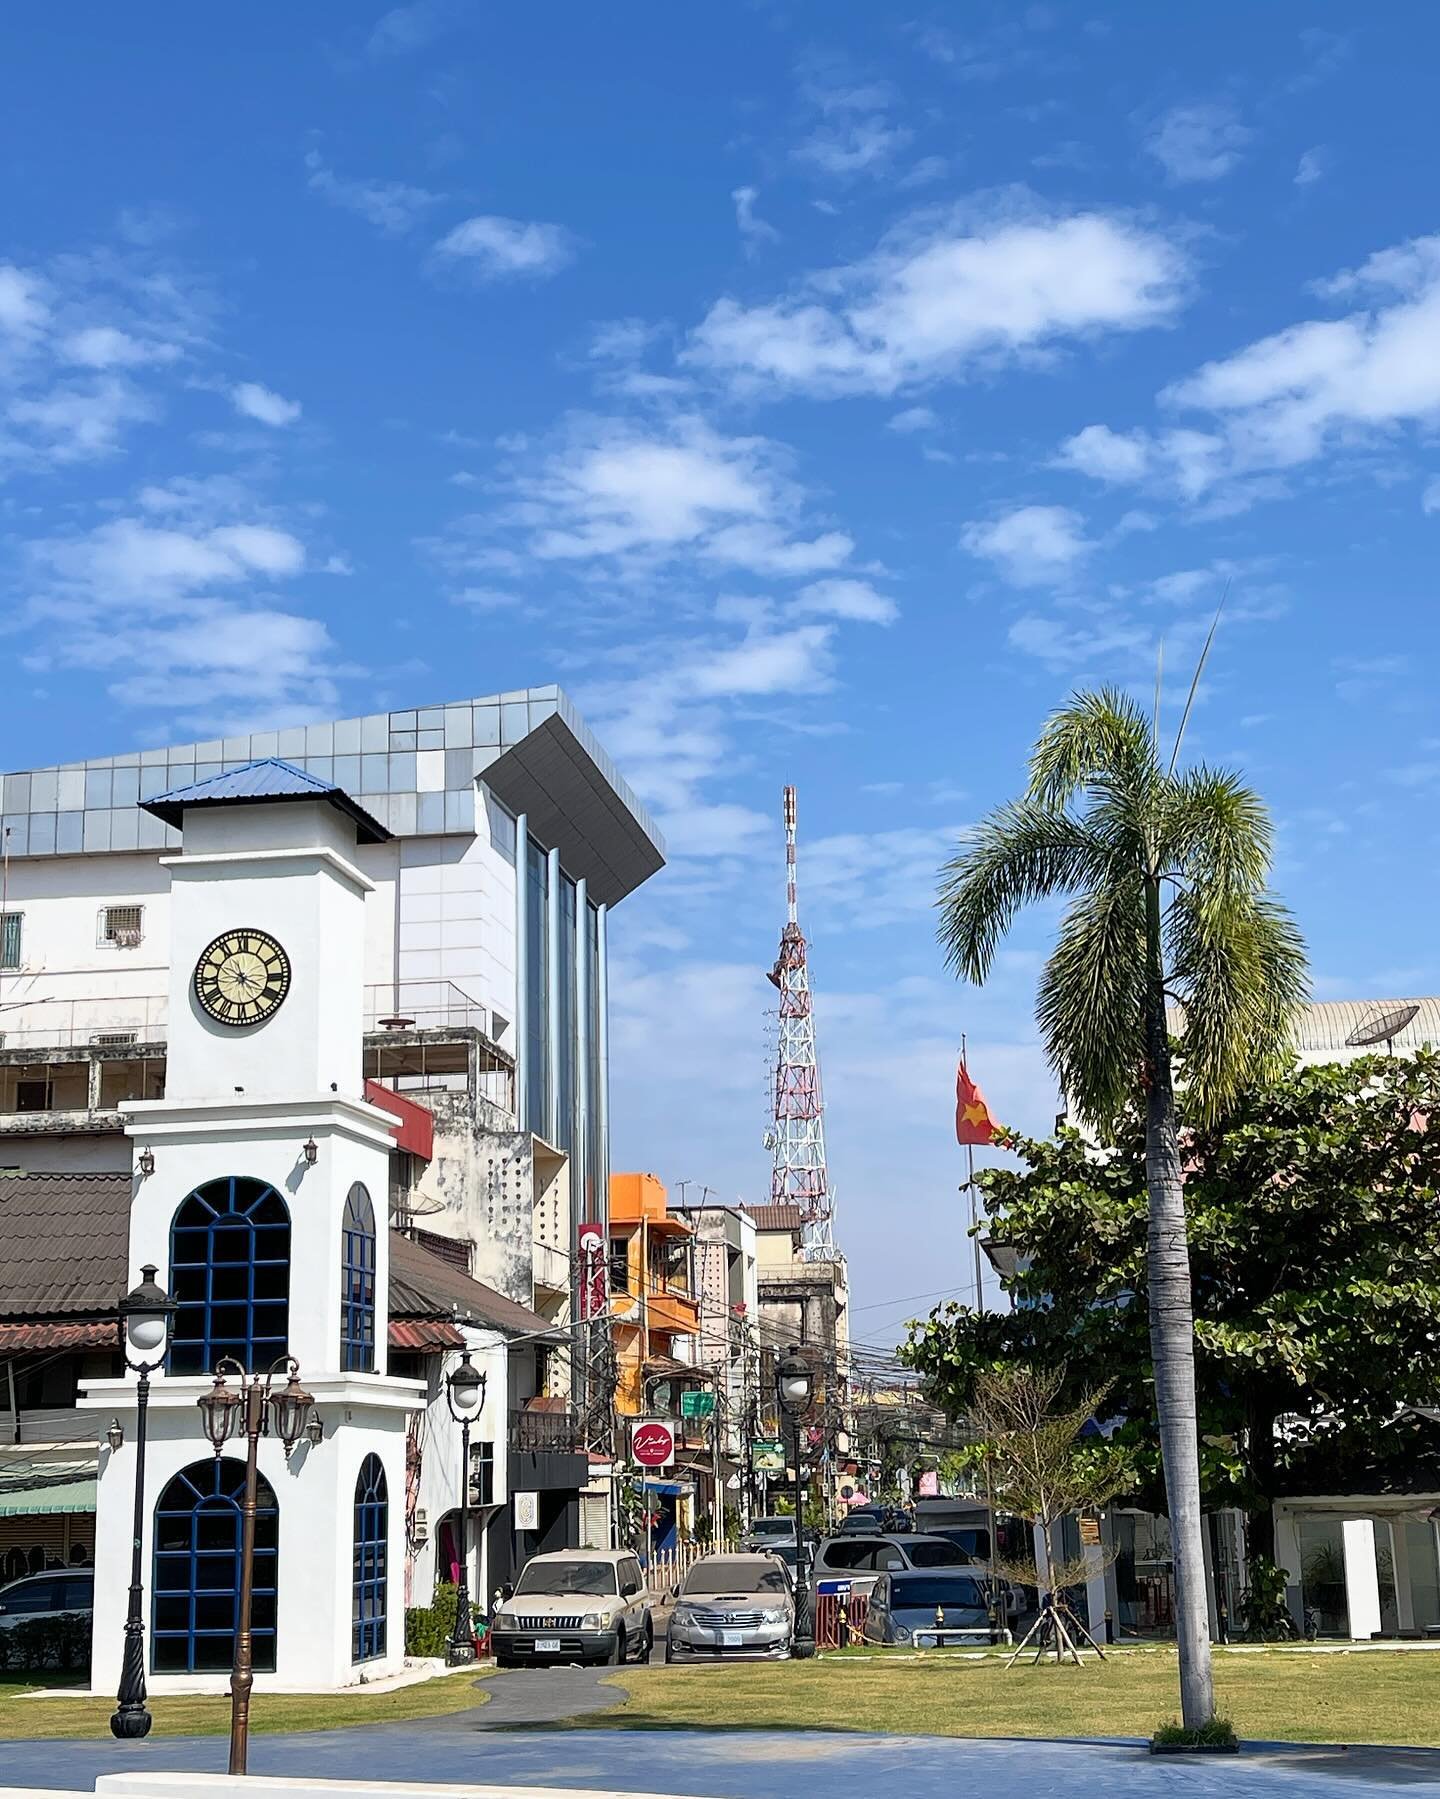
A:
(795, 1392)
(465, 1395)
(253, 1406)
(145, 1314)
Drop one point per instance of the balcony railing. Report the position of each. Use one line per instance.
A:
(544, 1433)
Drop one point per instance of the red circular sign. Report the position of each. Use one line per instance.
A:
(653, 1445)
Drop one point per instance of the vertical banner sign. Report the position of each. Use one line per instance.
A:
(590, 1242)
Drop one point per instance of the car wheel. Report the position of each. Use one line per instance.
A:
(616, 1657)
(647, 1642)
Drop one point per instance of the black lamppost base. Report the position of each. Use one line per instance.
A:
(130, 1723)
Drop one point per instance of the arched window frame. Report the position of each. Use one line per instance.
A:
(231, 1303)
(357, 1283)
(195, 1569)
(370, 1575)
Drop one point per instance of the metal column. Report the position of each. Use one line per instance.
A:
(552, 1010)
(522, 971)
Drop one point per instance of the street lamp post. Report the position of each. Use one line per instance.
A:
(795, 1392)
(465, 1395)
(249, 1407)
(144, 1325)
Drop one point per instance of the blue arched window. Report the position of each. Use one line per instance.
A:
(357, 1283)
(230, 1272)
(372, 1560)
(197, 1569)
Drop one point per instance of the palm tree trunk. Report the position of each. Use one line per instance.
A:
(1172, 1339)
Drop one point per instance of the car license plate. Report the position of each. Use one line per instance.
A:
(547, 1645)
(732, 1639)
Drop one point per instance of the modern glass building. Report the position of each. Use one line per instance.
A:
(513, 837)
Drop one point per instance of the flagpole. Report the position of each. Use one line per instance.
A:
(996, 1613)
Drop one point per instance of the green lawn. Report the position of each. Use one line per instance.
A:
(1341, 1698)
(22, 1717)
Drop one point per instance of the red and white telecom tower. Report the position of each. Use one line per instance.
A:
(797, 1136)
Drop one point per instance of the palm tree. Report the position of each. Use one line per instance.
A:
(1166, 876)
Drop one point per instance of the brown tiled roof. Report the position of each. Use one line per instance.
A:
(63, 1243)
(424, 1286)
(776, 1218)
(64, 1253)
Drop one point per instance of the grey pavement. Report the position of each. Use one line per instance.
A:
(507, 1740)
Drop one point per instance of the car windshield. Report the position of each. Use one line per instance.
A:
(568, 1577)
(734, 1577)
(936, 1555)
(914, 1590)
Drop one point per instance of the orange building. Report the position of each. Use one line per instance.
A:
(655, 1312)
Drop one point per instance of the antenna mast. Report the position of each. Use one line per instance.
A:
(797, 1136)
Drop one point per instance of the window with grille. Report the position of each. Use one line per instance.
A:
(357, 1283)
(121, 924)
(371, 1562)
(10, 939)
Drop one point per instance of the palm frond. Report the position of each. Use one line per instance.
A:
(1237, 962)
(1100, 739)
(1021, 853)
(1090, 1003)
(1212, 822)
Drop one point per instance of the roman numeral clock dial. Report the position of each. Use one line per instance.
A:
(242, 977)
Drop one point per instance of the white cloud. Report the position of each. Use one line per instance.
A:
(766, 662)
(76, 423)
(1033, 546)
(854, 136)
(23, 307)
(1313, 166)
(139, 603)
(913, 418)
(252, 401)
(754, 231)
(103, 347)
(393, 207)
(405, 29)
(1199, 142)
(495, 248)
(849, 599)
(1186, 461)
(943, 293)
(615, 488)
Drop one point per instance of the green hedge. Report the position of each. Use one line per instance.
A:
(61, 1641)
(428, 1627)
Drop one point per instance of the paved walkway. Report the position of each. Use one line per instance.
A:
(507, 1741)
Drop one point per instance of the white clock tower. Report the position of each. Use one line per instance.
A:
(264, 1209)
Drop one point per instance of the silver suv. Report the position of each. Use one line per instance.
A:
(731, 1608)
(575, 1605)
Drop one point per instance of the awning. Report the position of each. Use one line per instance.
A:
(424, 1334)
(52, 1333)
(64, 1496)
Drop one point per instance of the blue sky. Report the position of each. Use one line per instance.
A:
(817, 393)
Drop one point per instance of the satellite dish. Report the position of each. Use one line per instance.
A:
(1384, 1028)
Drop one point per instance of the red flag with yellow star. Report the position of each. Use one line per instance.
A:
(973, 1123)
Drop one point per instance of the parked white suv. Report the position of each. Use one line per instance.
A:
(575, 1605)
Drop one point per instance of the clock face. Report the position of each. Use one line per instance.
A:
(242, 977)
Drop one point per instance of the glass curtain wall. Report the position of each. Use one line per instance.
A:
(537, 987)
(565, 1073)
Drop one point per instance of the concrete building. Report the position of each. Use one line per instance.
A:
(483, 844)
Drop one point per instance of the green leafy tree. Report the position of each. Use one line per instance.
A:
(1315, 1264)
(1165, 872)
